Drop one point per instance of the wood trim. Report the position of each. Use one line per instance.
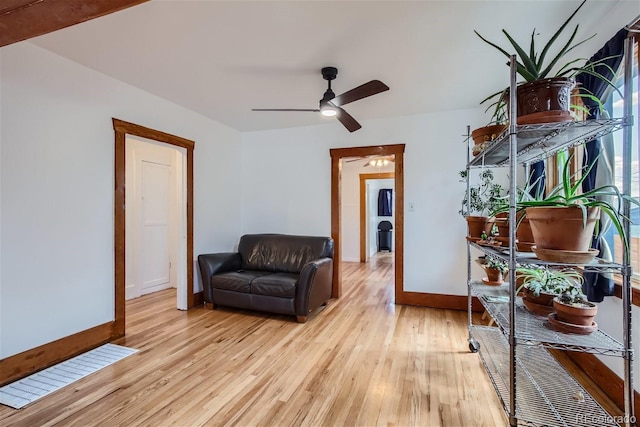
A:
(119, 239)
(36, 359)
(635, 293)
(191, 299)
(379, 150)
(363, 208)
(23, 19)
(121, 129)
(198, 298)
(399, 225)
(447, 302)
(336, 224)
(145, 132)
(396, 150)
(610, 383)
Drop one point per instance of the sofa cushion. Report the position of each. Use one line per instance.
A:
(276, 285)
(237, 281)
(282, 253)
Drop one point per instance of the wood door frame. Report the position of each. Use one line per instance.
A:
(337, 154)
(122, 129)
(363, 208)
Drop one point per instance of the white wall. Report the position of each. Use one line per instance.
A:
(56, 172)
(299, 187)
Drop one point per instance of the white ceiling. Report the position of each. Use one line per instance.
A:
(221, 59)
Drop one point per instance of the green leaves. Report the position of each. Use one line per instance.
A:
(532, 66)
(542, 279)
(569, 194)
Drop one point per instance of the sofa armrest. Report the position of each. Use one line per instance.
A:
(314, 285)
(211, 264)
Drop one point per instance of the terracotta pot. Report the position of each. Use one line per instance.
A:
(542, 299)
(544, 101)
(519, 282)
(487, 133)
(503, 229)
(561, 228)
(493, 274)
(523, 232)
(478, 224)
(576, 315)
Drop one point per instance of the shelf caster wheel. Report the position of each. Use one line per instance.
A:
(474, 346)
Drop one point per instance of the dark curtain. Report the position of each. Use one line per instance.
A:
(597, 286)
(384, 202)
(537, 173)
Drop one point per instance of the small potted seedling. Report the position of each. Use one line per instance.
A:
(573, 312)
(496, 269)
(541, 285)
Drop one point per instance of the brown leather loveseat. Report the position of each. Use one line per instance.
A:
(276, 273)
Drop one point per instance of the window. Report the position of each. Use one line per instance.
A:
(615, 106)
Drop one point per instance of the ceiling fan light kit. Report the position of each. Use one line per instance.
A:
(331, 105)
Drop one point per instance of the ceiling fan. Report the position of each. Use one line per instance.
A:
(331, 105)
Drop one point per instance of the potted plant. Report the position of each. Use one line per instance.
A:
(543, 96)
(563, 221)
(478, 202)
(573, 313)
(484, 135)
(524, 236)
(496, 269)
(542, 284)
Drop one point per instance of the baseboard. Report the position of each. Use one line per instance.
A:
(198, 298)
(449, 302)
(36, 359)
(610, 383)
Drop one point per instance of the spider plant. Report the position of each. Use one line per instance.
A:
(550, 281)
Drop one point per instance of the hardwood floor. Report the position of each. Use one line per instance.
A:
(361, 361)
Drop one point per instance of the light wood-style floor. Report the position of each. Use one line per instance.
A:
(362, 361)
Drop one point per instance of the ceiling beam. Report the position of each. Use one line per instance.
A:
(23, 19)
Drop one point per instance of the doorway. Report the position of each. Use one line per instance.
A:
(122, 129)
(337, 154)
(155, 218)
(369, 236)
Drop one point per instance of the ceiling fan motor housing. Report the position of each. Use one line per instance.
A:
(329, 73)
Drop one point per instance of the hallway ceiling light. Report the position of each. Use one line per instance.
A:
(379, 162)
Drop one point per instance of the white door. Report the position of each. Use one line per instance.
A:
(156, 227)
(154, 222)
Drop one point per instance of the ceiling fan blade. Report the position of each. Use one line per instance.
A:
(371, 88)
(284, 109)
(347, 121)
(360, 158)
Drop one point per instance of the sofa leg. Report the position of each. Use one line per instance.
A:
(209, 306)
(301, 319)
